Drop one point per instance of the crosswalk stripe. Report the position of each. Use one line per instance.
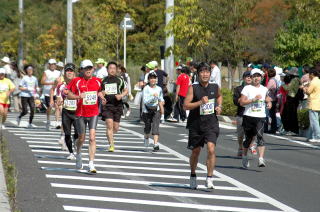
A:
(161, 203)
(85, 145)
(154, 192)
(97, 141)
(122, 167)
(139, 182)
(87, 209)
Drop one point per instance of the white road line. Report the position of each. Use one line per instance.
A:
(163, 193)
(87, 209)
(160, 169)
(98, 146)
(182, 177)
(295, 141)
(244, 187)
(97, 141)
(37, 135)
(161, 203)
(113, 154)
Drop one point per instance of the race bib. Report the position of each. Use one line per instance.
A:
(90, 98)
(3, 88)
(110, 89)
(208, 108)
(70, 104)
(257, 106)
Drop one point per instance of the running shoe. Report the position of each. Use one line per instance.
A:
(30, 126)
(58, 127)
(253, 150)
(172, 120)
(18, 121)
(79, 161)
(71, 157)
(193, 182)
(314, 140)
(128, 113)
(209, 183)
(245, 162)
(111, 148)
(156, 147)
(146, 142)
(92, 169)
(261, 163)
(123, 116)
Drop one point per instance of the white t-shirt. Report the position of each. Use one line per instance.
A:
(257, 108)
(101, 72)
(216, 76)
(51, 76)
(31, 83)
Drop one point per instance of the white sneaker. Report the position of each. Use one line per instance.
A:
(261, 163)
(71, 157)
(30, 126)
(193, 182)
(245, 162)
(146, 142)
(79, 161)
(18, 121)
(162, 119)
(314, 140)
(172, 120)
(128, 113)
(209, 183)
(92, 169)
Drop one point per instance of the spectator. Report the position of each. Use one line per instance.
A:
(16, 81)
(272, 93)
(6, 63)
(215, 74)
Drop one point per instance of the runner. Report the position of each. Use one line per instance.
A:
(28, 86)
(113, 90)
(6, 88)
(204, 101)
(101, 71)
(253, 98)
(122, 72)
(68, 110)
(152, 109)
(47, 80)
(86, 90)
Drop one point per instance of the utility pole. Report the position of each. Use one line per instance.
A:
(125, 42)
(20, 48)
(169, 60)
(69, 32)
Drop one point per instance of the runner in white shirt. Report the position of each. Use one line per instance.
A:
(101, 71)
(254, 98)
(48, 80)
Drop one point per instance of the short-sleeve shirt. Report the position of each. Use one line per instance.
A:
(151, 97)
(113, 85)
(31, 83)
(51, 76)
(5, 85)
(161, 75)
(257, 108)
(88, 106)
(184, 81)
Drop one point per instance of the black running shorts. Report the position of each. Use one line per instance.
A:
(112, 112)
(199, 137)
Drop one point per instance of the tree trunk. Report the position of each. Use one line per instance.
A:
(240, 66)
(230, 78)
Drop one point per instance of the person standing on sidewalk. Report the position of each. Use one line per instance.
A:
(253, 98)
(28, 86)
(204, 100)
(86, 90)
(6, 89)
(313, 92)
(68, 110)
(152, 108)
(240, 110)
(113, 90)
(48, 80)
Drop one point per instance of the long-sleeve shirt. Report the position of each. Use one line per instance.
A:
(292, 87)
(151, 96)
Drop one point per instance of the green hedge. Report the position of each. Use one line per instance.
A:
(303, 119)
(229, 109)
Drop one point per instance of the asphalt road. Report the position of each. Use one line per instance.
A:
(135, 179)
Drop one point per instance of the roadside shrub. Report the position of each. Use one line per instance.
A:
(229, 109)
(303, 119)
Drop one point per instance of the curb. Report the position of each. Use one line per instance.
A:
(4, 200)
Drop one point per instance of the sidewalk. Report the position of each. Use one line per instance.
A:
(4, 201)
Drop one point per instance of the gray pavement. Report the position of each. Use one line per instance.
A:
(133, 179)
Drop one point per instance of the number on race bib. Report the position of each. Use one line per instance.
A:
(111, 89)
(90, 98)
(70, 104)
(208, 108)
(257, 106)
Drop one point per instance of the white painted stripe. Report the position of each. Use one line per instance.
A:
(23, 124)
(97, 141)
(35, 135)
(163, 193)
(225, 126)
(86, 209)
(295, 141)
(85, 145)
(244, 187)
(183, 177)
(114, 154)
(161, 203)
(121, 167)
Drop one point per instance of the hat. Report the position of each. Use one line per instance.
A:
(69, 66)
(154, 63)
(278, 70)
(5, 59)
(150, 65)
(256, 71)
(60, 64)
(2, 71)
(246, 74)
(52, 61)
(293, 71)
(152, 74)
(86, 63)
(266, 65)
(101, 61)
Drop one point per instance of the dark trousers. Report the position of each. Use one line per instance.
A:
(272, 114)
(25, 101)
(68, 119)
(289, 115)
(178, 109)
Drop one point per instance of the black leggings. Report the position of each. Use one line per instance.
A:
(25, 101)
(126, 104)
(68, 119)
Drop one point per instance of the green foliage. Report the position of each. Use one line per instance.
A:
(228, 108)
(303, 119)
